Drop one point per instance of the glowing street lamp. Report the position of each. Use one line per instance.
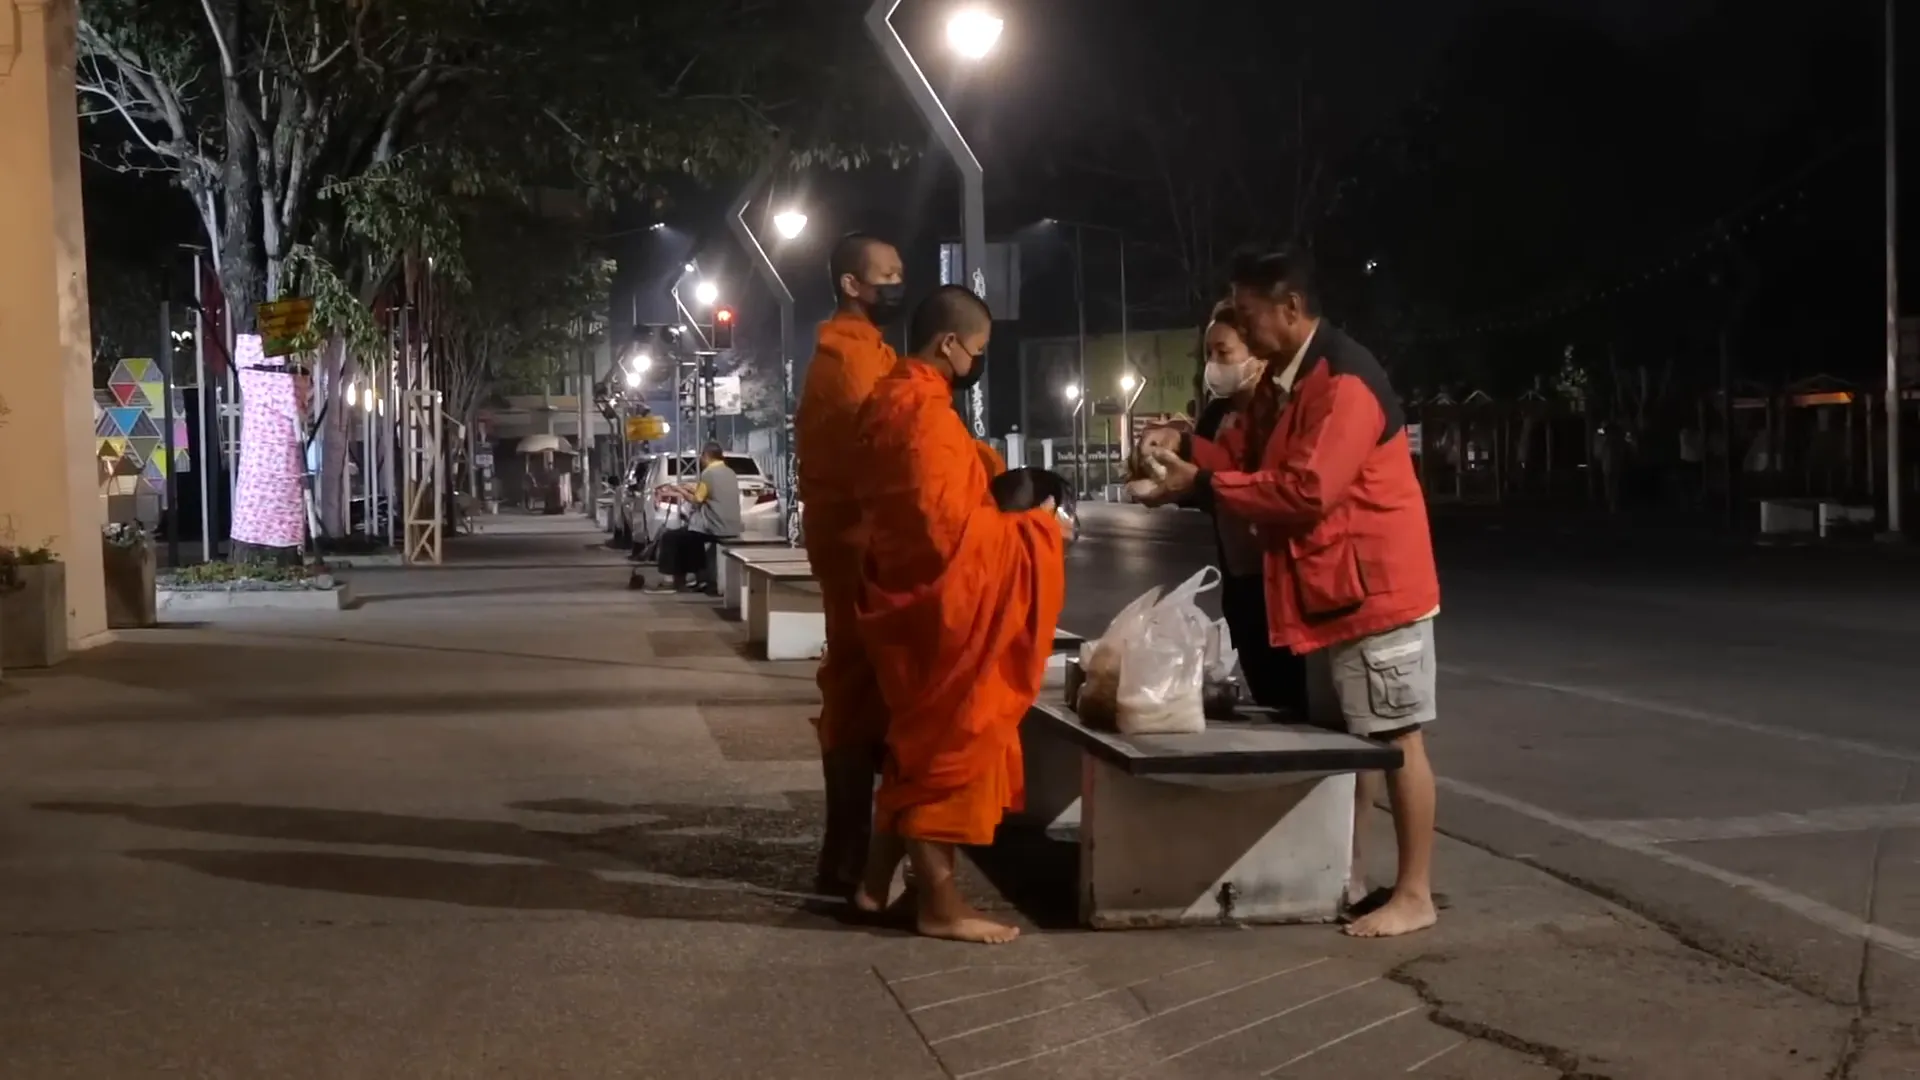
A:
(707, 293)
(1072, 392)
(973, 32)
(790, 224)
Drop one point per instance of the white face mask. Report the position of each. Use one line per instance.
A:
(1226, 380)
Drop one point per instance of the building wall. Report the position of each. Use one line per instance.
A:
(1168, 361)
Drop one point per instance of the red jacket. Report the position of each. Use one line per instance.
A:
(1348, 551)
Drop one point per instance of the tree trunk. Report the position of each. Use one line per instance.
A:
(337, 372)
(243, 271)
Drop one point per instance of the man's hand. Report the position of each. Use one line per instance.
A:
(1181, 475)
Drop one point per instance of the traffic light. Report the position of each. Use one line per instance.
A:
(723, 328)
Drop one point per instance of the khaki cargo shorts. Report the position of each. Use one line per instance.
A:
(1376, 685)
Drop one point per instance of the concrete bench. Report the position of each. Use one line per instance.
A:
(720, 570)
(1249, 821)
(783, 611)
(1066, 647)
(733, 572)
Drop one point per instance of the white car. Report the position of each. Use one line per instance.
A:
(650, 493)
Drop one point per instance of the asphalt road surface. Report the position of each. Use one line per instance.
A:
(1722, 738)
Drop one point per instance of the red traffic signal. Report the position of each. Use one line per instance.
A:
(723, 328)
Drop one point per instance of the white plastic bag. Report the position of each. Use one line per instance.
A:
(1222, 690)
(1147, 675)
(1163, 671)
(1097, 702)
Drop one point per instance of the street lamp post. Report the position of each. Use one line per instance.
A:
(1076, 397)
(1895, 491)
(790, 223)
(972, 32)
(1079, 276)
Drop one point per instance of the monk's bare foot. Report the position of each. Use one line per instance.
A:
(878, 891)
(1405, 913)
(972, 926)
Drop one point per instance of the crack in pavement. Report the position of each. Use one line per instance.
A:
(1554, 1057)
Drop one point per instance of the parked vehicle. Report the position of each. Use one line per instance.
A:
(653, 504)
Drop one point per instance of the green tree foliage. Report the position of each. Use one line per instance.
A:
(256, 108)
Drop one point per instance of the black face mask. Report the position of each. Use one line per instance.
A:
(976, 370)
(888, 303)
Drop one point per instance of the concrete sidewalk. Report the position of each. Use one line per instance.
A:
(511, 819)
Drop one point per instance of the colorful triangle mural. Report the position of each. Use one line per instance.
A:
(143, 426)
(144, 447)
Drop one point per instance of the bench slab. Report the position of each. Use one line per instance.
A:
(1249, 821)
(734, 573)
(1227, 748)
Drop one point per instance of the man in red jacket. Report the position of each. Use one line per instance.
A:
(1326, 476)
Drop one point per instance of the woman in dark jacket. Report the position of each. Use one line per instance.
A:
(1275, 677)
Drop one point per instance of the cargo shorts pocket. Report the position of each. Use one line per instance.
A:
(1399, 672)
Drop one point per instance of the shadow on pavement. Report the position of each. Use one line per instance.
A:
(1036, 875)
(763, 854)
(518, 887)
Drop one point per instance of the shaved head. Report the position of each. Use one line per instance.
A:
(868, 277)
(951, 309)
(850, 255)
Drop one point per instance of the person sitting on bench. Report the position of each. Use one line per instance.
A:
(714, 514)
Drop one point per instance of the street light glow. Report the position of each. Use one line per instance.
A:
(707, 293)
(973, 32)
(642, 362)
(1128, 382)
(790, 223)
(1073, 392)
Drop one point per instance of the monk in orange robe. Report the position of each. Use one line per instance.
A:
(958, 607)
(852, 355)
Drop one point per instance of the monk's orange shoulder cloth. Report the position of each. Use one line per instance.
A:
(958, 606)
(851, 357)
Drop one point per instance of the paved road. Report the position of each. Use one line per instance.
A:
(1725, 739)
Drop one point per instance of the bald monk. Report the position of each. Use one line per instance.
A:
(958, 607)
(850, 358)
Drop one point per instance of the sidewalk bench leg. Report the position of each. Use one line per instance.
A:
(1161, 853)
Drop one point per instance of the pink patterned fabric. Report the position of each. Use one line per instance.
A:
(269, 509)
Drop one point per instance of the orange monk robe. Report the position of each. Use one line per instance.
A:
(958, 610)
(851, 357)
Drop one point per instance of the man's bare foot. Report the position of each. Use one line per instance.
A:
(971, 926)
(1405, 913)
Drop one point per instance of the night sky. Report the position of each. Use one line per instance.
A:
(1496, 159)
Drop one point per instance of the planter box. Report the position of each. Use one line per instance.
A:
(338, 598)
(130, 592)
(33, 618)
